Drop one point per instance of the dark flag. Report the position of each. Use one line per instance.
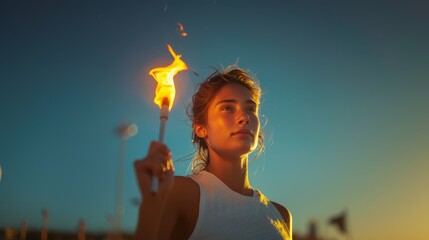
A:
(340, 222)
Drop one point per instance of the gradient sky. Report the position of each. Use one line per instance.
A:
(346, 104)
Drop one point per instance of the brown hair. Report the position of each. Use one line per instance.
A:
(201, 100)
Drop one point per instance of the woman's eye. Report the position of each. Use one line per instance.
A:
(251, 109)
(226, 108)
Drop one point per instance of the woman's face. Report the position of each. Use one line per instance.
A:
(232, 121)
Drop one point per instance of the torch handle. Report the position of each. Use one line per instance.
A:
(162, 130)
(164, 116)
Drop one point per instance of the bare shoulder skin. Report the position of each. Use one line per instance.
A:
(181, 213)
(286, 215)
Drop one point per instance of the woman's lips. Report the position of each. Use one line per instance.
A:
(243, 132)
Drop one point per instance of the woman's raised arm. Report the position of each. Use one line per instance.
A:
(157, 163)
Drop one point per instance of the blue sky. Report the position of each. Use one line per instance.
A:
(345, 100)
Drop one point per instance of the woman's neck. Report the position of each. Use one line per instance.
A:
(232, 171)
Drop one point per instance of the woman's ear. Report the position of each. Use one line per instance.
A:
(200, 131)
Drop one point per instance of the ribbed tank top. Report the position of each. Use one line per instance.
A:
(225, 214)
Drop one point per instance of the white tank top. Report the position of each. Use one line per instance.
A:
(225, 214)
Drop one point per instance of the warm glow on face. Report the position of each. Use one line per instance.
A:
(164, 77)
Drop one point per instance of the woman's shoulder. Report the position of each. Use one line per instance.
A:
(286, 214)
(185, 194)
(183, 184)
(184, 189)
(185, 197)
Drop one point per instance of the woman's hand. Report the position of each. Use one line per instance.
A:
(157, 163)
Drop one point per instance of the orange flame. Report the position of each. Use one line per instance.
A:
(182, 30)
(165, 90)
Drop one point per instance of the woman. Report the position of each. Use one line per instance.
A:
(217, 200)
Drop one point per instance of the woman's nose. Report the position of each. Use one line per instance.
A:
(243, 118)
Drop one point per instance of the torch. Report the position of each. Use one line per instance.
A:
(164, 98)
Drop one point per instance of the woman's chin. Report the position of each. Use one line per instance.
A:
(244, 149)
